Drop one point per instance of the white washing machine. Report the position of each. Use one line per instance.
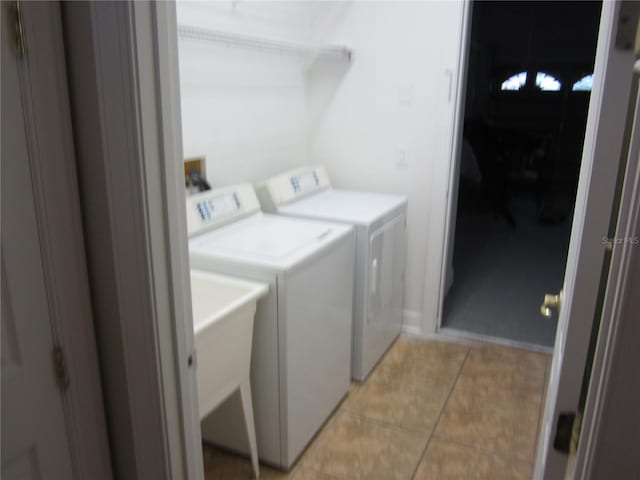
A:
(380, 222)
(302, 331)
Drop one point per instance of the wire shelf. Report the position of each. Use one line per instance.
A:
(230, 39)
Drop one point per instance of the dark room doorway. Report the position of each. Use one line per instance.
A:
(529, 76)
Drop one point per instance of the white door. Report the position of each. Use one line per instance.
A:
(586, 258)
(34, 437)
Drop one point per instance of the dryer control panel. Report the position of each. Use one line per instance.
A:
(214, 208)
(291, 185)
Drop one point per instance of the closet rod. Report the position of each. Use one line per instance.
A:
(241, 40)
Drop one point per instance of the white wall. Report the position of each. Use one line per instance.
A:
(394, 97)
(245, 110)
(254, 114)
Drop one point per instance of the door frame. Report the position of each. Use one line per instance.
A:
(603, 136)
(618, 295)
(433, 302)
(435, 281)
(126, 107)
(44, 96)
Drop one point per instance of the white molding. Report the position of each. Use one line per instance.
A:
(411, 320)
(170, 128)
(618, 291)
(51, 155)
(124, 119)
(433, 299)
(171, 311)
(412, 331)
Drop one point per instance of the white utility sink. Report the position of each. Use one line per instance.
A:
(223, 311)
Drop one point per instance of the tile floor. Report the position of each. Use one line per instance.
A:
(430, 410)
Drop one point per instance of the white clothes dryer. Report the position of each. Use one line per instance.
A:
(380, 221)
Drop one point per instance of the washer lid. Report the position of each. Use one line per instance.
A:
(345, 206)
(271, 239)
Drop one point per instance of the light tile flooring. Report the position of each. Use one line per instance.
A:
(430, 410)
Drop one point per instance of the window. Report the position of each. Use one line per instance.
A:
(514, 82)
(584, 84)
(547, 83)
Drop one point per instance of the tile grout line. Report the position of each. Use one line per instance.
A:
(543, 402)
(452, 388)
(508, 459)
(383, 423)
(342, 409)
(315, 443)
(431, 433)
(444, 406)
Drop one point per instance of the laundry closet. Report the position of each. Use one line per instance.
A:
(317, 144)
(367, 89)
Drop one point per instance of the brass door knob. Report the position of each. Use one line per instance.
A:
(550, 301)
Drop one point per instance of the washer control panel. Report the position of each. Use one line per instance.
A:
(304, 182)
(221, 205)
(291, 185)
(215, 208)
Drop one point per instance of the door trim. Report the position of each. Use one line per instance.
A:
(613, 313)
(126, 109)
(433, 298)
(45, 100)
(170, 175)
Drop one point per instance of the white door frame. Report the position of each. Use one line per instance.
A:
(445, 201)
(127, 120)
(615, 312)
(52, 160)
(434, 299)
(603, 142)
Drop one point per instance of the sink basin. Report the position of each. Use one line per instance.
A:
(223, 312)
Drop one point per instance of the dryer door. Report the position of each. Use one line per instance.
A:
(385, 289)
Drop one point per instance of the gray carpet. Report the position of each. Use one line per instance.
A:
(501, 275)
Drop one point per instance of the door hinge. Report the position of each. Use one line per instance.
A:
(19, 29)
(60, 368)
(192, 359)
(567, 432)
(628, 25)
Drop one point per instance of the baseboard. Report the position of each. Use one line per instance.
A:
(449, 280)
(414, 324)
(465, 336)
(411, 322)
(411, 331)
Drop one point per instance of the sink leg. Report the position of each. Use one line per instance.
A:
(247, 408)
